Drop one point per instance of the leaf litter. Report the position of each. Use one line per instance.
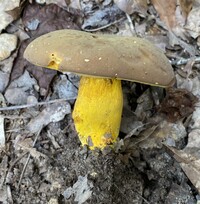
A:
(41, 154)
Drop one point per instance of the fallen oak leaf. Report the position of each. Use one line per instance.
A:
(166, 11)
(189, 164)
(48, 18)
(163, 132)
(131, 6)
(193, 22)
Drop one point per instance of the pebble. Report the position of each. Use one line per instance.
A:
(8, 44)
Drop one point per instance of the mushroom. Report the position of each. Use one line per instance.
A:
(103, 60)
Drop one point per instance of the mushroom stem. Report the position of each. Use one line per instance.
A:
(97, 111)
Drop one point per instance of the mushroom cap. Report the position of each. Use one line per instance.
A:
(109, 56)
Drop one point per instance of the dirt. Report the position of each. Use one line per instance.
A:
(125, 176)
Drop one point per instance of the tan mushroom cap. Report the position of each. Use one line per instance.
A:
(110, 56)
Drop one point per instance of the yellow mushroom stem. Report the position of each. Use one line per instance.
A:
(97, 111)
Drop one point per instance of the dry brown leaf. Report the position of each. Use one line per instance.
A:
(189, 164)
(186, 6)
(47, 18)
(178, 103)
(131, 6)
(144, 135)
(189, 157)
(171, 14)
(52, 113)
(165, 132)
(166, 11)
(193, 22)
(26, 145)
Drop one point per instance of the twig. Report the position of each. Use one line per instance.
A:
(105, 26)
(32, 105)
(146, 201)
(183, 61)
(125, 197)
(134, 191)
(52, 138)
(132, 29)
(27, 161)
(20, 28)
(134, 130)
(7, 178)
(14, 130)
(23, 171)
(13, 117)
(145, 135)
(9, 194)
(13, 163)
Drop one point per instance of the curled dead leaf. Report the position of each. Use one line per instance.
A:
(186, 6)
(193, 23)
(131, 6)
(166, 11)
(178, 103)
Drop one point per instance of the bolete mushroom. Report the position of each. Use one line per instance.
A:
(103, 60)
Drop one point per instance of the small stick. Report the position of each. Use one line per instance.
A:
(133, 131)
(105, 26)
(9, 194)
(134, 191)
(131, 26)
(32, 105)
(183, 61)
(27, 161)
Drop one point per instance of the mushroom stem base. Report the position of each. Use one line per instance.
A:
(97, 111)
